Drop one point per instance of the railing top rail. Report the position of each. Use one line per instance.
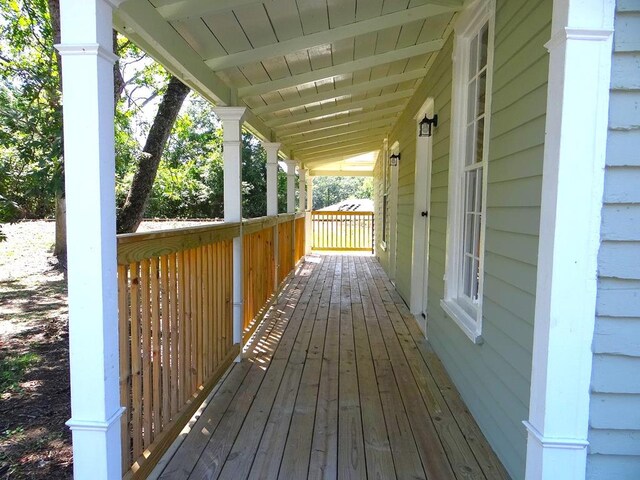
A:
(337, 212)
(300, 215)
(286, 217)
(133, 247)
(253, 225)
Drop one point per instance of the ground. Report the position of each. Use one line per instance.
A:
(34, 367)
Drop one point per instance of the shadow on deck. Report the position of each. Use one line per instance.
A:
(339, 383)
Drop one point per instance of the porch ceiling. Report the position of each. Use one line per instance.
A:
(326, 78)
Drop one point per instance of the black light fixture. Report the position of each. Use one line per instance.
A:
(426, 124)
(393, 159)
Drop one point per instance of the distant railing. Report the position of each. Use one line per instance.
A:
(348, 231)
(176, 332)
(176, 327)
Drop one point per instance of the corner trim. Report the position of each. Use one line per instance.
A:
(555, 442)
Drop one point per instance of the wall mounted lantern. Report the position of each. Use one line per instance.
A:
(393, 159)
(426, 124)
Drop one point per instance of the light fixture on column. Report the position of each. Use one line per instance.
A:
(394, 159)
(426, 124)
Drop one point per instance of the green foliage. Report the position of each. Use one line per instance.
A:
(30, 113)
(330, 190)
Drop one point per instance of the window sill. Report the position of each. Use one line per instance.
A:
(466, 323)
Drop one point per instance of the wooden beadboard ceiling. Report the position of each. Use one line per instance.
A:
(327, 78)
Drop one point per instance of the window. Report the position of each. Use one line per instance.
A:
(468, 169)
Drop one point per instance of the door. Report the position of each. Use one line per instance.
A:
(421, 221)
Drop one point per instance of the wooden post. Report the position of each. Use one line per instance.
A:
(87, 69)
(231, 118)
(272, 199)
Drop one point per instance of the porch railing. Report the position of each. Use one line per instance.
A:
(175, 303)
(349, 231)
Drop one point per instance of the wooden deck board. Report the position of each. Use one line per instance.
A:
(341, 384)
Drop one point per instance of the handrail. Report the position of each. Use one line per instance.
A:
(253, 225)
(133, 247)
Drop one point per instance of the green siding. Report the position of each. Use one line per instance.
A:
(493, 378)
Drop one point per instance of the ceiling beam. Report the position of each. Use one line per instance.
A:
(360, 147)
(185, 9)
(341, 69)
(344, 120)
(351, 30)
(343, 107)
(336, 146)
(342, 92)
(341, 173)
(337, 131)
(306, 144)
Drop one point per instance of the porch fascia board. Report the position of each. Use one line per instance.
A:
(341, 173)
(142, 23)
(566, 287)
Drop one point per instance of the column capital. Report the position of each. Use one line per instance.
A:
(291, 166)
(272, 149)
(230, 113)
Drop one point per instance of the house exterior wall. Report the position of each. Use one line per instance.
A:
(494, 377)
(614, 435)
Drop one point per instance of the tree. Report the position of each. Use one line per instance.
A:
(131, 213)
(330, 190)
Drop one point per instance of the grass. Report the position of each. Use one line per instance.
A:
(13, 369)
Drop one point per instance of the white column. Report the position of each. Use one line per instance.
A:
(272, 198)
(231, 118)
(272, 177)
(573, 175)
(302, 185)
(291, 186)
(87, 69)
(308, 224)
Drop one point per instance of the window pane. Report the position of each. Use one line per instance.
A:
(470, 191)
(471, 104)
(467, 276)
(479, 140)
(475, 280)
(473, 58)
(470, 144)
(478, 201)
(484, 43)
(482, 91)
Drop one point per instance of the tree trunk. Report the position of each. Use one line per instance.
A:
(60, 248)
(130, 215)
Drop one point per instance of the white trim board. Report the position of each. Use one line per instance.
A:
(566, 287)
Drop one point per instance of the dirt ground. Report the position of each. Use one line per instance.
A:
(34, 367)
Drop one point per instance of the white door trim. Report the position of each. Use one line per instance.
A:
(421, 202)
(572, 189)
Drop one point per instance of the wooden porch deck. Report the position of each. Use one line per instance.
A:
(339, 384)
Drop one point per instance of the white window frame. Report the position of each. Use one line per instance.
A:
(467, 315)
